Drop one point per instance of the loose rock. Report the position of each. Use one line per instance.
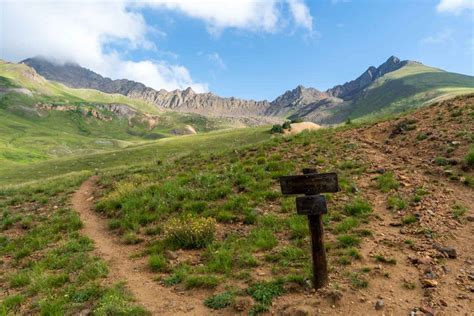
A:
(449, 251)
(379, 304)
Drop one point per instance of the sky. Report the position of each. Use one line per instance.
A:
(253, 49)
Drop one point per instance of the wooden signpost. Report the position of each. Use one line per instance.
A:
(314, 206)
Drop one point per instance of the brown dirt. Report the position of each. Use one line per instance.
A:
(147, 292)
(303, 126)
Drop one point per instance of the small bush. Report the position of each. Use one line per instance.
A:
(441, 161)
(396, 203)
(131, 238)
(201, 281)
(470, 157)
(387, 182)
(458, 211)
(421, 136)
(220, 301)
(409, 219)
(190, 231)
(157, 263)
(381, 258)
(346, 241)
(286, 125)
(347, 224)
(358, 207)
(358, 281)
(265, 292)
(276, 129)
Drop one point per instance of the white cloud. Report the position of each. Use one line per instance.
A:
(441, 37)
(100, 34)
(455, 6)
(254, 15)
(216, 60)
(80, 31)
(301, 14)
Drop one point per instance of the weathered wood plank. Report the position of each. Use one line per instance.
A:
(313, 183)
(311, 205)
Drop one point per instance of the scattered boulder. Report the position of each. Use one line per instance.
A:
(429, 283)
(448, 251)
(379, 304)
(171, 255)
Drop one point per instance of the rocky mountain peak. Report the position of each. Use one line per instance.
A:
(350, 89)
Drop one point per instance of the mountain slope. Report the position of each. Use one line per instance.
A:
(179, 100)
(41, 119)
(392, 87)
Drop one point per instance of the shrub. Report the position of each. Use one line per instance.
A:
(396, 203)
(458, 211)
(220, 301)
(157, 263)
(409, 219)
(265, 292)
(190, 231)
(347, 224)
(276, 129)
(381, 258)
(387, 182)
(286, 125)
(201, 281)
(441, 161)
(358, 281)
(470, 157)
(346, 241)
(358, 207)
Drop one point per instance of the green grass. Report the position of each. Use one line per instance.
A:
(407, 88)
(52, 267)
(220, 301)
(265, 292)
(387, 182)
(137, 155)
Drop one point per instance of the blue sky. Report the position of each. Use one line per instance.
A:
(256, 50)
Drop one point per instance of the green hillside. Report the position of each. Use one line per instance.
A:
(29, 134)
(409, 87)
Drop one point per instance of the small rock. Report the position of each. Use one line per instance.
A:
(334, 295)
(443, 302)
(242, 303)
(292, 287)
(470, 218)
(302, 310)
(171, 255)
(450, 252)
(429, 283)
(85, 312)
(379, 304)
(427, 310)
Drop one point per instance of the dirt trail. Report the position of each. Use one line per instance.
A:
(155, 298)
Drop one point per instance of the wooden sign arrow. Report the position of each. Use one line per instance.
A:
(312, 183)
(311, 205)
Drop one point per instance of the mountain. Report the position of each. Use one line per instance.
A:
(186, 100)
(392, 87)
(42, 119)
(350, 89)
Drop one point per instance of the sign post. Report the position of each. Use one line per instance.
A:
(312, 204)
